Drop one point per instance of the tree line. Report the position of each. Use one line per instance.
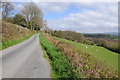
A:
(80, 38)
(30, 16)
(114, 37)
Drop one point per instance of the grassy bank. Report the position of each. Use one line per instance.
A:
(59, 62)
(13, 32)
(7, 44)
(101, 53)
(109, 58)
(84, 61)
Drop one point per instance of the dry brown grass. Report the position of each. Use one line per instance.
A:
(11, 31)
(86, 64)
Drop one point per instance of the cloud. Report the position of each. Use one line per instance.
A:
(18, 7)
(90, 17)
(54, 7)
(95, 17)
(62, 0)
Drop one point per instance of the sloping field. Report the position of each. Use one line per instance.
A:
(12, 32)
(101, 53)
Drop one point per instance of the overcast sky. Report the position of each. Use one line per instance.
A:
(88, 17)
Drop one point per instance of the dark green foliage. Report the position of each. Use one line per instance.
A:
(102, 36)
(8, 19)
(59, 62)
(69, 35)
(19, 20)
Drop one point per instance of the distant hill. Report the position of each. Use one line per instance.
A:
(103, 35)
(110, 33)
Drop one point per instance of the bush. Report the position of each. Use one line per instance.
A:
(19, 20)
(73, 36)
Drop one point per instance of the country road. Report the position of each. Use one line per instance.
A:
(25, 60)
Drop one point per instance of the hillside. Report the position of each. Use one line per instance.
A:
(90, 39)
(13, 32)
(112, 33)
(108, 36)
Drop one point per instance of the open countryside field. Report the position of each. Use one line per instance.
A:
(103, 54)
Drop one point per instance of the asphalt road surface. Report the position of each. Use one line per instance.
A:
(25, 60)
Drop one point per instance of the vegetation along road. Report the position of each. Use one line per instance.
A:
(25, 60)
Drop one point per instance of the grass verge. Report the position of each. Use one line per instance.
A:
(61, 67)
(7, 44)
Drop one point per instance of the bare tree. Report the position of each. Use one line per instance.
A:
(38, 22)
(33, 15)
(7, 8)
(0, 11)
(45, 27)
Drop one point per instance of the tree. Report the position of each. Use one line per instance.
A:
(19, 19)
(0, 11)
(44, 27)
(33, 15)
(7, 8)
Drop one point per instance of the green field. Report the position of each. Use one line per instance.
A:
(101, 53)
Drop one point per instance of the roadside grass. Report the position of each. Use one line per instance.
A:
(85, 62)
(44, 51)
(7, 44)
(58, 61)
